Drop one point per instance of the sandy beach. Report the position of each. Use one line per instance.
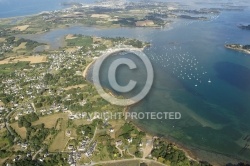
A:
(110, 52)
(85, 72)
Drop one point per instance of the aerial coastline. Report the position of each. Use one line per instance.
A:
(110, 52)
(33, 79)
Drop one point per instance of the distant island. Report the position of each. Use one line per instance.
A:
(246, 27)
(193, 18)
(239, 47)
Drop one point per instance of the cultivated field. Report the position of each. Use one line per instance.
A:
(50, 120)
(21, 46)
(59, 142)
(79, 122)
(100, 16)
(31, 59)
(20, 131)
(20, 28)
(71, 49)
(2, 39)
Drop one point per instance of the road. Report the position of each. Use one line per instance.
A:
(7, 123)
(124, 160)
(120, 151)
(33, 105)
(93, 135)
(34, 156)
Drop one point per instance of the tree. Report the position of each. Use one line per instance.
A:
(10, 40)
(4, 153)
(48, 77)
(26, 124)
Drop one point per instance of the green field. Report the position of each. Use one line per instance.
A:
(80, 41)
(61, 140)
(11, 67)
(50, 121)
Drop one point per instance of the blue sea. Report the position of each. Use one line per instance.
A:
(13, 8)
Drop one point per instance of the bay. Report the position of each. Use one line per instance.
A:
(214, 103)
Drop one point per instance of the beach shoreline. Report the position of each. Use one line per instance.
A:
(194, 153)
(110, 52)
(86, 70)
(189, 154)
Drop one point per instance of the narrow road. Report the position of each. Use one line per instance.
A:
(124, 160)
(130, 153)
(8, 128)
(7, 123)
(33, 105)
(39, 151)
(120, 151)
(93, 136)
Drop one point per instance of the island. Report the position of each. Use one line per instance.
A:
(245, 27)
(193, 18)
(239, 47)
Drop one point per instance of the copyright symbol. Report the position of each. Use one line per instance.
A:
(112, 77)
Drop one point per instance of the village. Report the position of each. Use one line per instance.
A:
(52, 96)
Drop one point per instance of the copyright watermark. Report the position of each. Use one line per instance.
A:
(132, 115)
(112, 77)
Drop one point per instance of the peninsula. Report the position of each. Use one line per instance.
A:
(239, 47)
